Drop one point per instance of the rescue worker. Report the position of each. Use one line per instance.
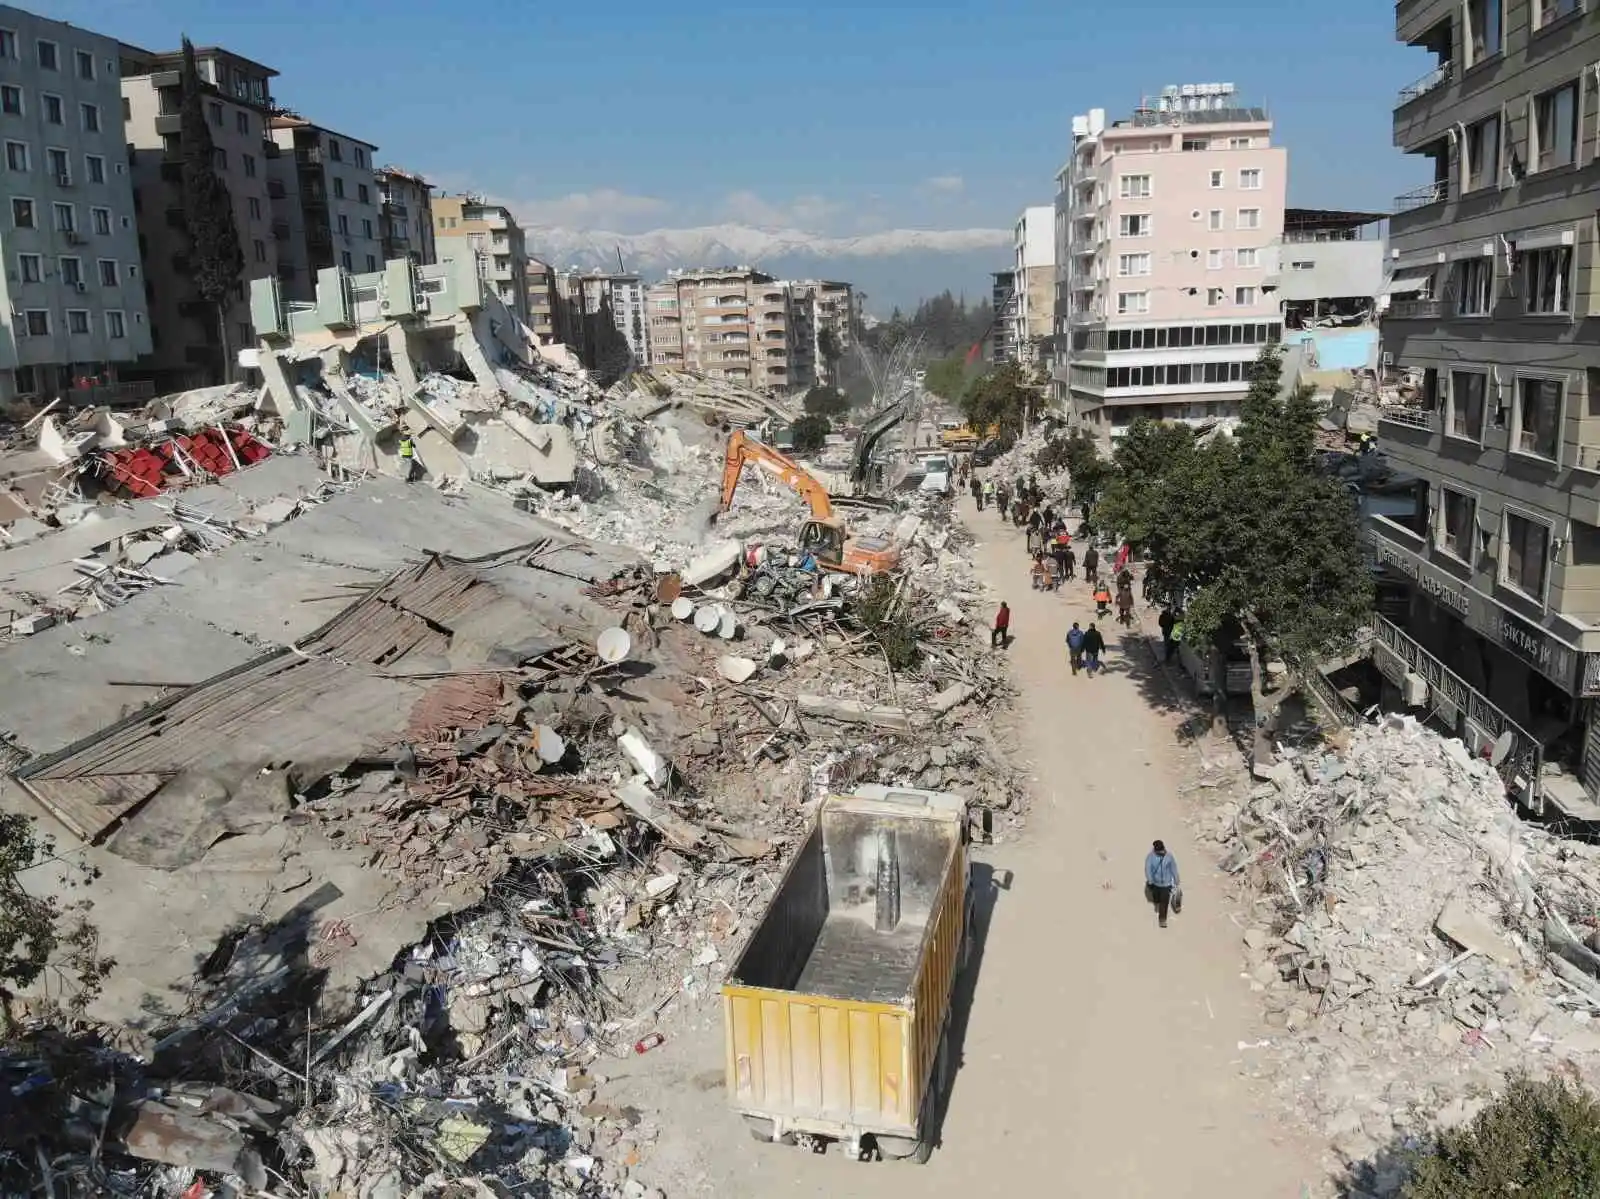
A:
(1177, 639)
(1102, 600)
(408, 457)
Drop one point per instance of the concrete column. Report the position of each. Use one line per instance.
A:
(400, 357)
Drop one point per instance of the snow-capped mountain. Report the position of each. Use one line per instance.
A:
(894, 267)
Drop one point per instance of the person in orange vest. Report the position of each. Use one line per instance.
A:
(1102, 599)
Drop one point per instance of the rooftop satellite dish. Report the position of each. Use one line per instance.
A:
(613, 645)
(708, 618)
(682, 608)
(1502, 747)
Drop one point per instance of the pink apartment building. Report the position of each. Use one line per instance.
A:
(1166, 224)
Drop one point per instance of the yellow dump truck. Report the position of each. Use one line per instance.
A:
(836, 1013)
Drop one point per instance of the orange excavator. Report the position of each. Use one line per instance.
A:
(823, 536)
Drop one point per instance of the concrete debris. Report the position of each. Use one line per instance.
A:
(1417, 940)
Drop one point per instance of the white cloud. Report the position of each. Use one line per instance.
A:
(606, 207)
(805, 212)
(945, 185)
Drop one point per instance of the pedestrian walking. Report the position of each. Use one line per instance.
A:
(1002, 499)
(1161, 884)
(977, 491)
(1069, 562)
(1075, 647)
(408, 458)
(1093, 646)
(1001, 635)
(1166, 622)
(1125, 603)
(1176, 643)
(1091, 566)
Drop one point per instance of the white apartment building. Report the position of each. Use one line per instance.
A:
(1030, 312)
(73, 304)
(1164, 222)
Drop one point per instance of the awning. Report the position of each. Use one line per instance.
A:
(1408, 281)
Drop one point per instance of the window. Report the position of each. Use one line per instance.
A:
(1250, 180)
(22, 216)
(16, 156)
(1527, 548)
(58, 166)
(1244, 295)
(55, 109)
(241, 122)
(366, 229)
(1248, 218)
(102, 221)
(1303, 264)
(255, 208)
(363, 192)
(1133, 264)
(1483, 153)
(246, 333)
(31, 267)
(1134, 225)
(49, 56)
(1458, 525)
(1246, 258)
(95, 168)
(1214, 220)
(37, 322)
(1216, 259)
(1217, 178)
(1538, 420)
(108, 272)
(66, 218)
(77, 321)
(344, 258)
(1555, 128)
(1197, 143)
(1552, 10)
(1133, 302)
(260, 249)
(1135, 187)
(249, 166)
(91, 117)
(1483, 30)
(214, 112)
(116, 325)
(335, 150)
(1548, 275)
(71, 271)
(1473, 281)
(1240, 143)
(1465, 402)
(1214, 296)
(11, 100)
(361, 158)
(372, 262)
(8, 43)
(85, 64)
(344, 225)
(338, 187)
(219, 158)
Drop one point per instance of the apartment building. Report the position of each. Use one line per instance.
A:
(473, 225)
(405, 215)
(73, 307)
(823, 331)
(544, 304)
(1493, 295)
(1031, 316)
(1163, 219)
(186, 341)
(665, 323)
(1003, 300)
(329, 202)
(733, 323)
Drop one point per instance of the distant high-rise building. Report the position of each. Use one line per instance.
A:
(487, 231)
(405, 220)
(1031, 314)
(1163, 221)
(731, 323)
(329, 201)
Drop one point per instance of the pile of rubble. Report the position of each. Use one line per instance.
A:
(1417, 940)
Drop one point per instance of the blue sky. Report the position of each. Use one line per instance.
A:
(829, 116)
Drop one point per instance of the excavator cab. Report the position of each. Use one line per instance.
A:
(823, 540)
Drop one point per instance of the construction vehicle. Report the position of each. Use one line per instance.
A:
(837, 1011)
(823, 536)
(962, 437)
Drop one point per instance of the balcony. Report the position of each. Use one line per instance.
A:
(169, 123)
(1413, 418)
(1436, 192)
(399, 211)
(270, 148)
(1438, 77)
(308, 156)
(1416, 310)
(1587, 458)
(275, 189)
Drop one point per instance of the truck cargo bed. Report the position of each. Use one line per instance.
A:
(853, 960)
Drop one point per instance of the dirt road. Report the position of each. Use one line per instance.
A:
(1098, 1054)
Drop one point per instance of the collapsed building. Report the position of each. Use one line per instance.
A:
(411, 805)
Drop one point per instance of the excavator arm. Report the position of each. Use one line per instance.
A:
(743, 448)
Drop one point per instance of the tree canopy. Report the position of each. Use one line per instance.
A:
(945, 322)
(1001, 400)
(216, 258)
(810, 432)
(826, 401)
(1246, 529)
(947, 377)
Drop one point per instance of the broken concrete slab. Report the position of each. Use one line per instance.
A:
(854, 711)
(713, 564)
(1469, 930)
(637, 797)
(734, 668)
(645, 759)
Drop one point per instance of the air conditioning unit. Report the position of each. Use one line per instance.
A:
(81, 286)
(1414, 689)
(384, 307)
(74, 238)
(63, 180)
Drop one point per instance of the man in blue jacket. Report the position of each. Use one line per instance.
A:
(1160, 879)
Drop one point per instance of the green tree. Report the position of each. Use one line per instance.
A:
(810, 432)
(216, 259)
(1142, 462)
(1001, 401)
(1077, 454)
(828, 346)
(1248, 530)
(946, 377)
(1537, 1140)
(826, 401)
